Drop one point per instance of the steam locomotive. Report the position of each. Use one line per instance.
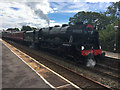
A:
(80, 41)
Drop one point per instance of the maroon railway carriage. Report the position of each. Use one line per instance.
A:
(16, 36)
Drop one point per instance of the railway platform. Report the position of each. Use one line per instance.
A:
(15, 74)
(22, 71)
(112, 55)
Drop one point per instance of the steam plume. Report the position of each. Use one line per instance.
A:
(38, 12)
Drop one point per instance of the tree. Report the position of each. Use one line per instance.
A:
(12, 29)
(97, 19)
(26, 28)
(33, 28)
(114, 11)
(118, 37)
(17, 29)
(107, 36)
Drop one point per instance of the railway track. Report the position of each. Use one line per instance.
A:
(103, 70)
(105, 73)
(110, 62)
(80, 80)
(115, 70)
(108, 70)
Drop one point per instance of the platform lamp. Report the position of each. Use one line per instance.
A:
(115, 28)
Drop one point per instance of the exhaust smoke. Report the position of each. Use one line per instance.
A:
(91, 63)
(38, 12)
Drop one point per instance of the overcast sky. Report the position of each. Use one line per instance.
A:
(38, 13)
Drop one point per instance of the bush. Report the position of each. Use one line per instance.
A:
(107, 38)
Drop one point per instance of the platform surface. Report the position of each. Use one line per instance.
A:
(15, 74)
(22, 71)
(112, 55)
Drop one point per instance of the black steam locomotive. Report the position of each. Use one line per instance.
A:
(80, 41)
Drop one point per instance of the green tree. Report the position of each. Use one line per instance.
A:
(113, 11)
(12, 29)
(26, 28)
(33, 28)
(107, 36)
(97, 19)
(17, 29)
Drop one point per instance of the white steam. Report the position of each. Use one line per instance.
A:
(91, 63)
(38, 12)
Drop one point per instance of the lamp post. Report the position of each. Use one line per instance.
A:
(115, 28)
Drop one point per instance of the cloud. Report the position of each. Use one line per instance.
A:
(52, 21)
(83, 1)
(53, 24)
(14, 8)
(93, 1)
(72, 11)
(16, 14)
(74, 7)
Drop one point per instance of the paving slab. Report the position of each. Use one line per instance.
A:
(16, 74)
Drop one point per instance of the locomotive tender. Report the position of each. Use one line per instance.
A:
(80, 41)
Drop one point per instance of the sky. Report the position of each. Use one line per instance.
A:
(41, 13)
